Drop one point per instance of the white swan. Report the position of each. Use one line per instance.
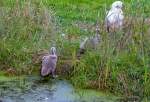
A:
(115, 17)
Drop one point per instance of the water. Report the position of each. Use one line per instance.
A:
(32, 89)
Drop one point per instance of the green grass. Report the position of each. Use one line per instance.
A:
(120, 65)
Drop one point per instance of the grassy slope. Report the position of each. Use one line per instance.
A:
(23, 36)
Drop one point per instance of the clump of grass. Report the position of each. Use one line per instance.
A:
(25, 29)
(121, 64)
